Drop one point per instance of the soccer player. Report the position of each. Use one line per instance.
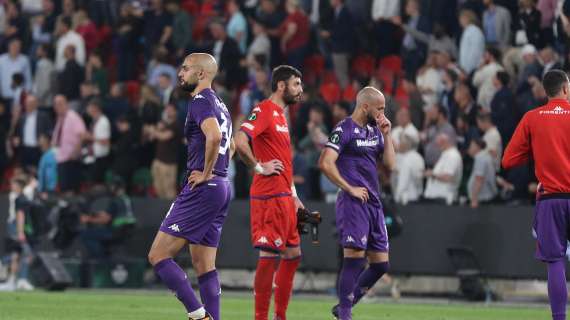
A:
(349, 161)
(274, 202)
(197, 214)
(543, 135)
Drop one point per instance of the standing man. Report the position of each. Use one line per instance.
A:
(349, 161)
(274, 201)
(542, 135)
(197, 215)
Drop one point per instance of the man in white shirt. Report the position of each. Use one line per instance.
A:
(407, 179)
(13, 62)
(443, 181)
(483, 77)
(492, 138)
(405, 126)
(100, 137)
(68, 37)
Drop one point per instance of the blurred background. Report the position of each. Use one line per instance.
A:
(93, 150)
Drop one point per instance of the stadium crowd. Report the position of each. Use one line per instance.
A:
(89, 88)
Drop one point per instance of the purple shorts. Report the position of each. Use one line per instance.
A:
(360, 225)
(198, 215)
(551, 223)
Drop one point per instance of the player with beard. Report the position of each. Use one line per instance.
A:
(350, 161)
(196, 217)
(273, 199)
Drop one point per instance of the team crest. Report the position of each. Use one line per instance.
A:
(335, 138)
(252, 117)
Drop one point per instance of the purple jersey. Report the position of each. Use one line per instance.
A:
(359, 148)
(206, 104)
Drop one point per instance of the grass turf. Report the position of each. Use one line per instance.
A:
(145, 305)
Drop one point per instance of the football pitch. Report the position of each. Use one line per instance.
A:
(159, 305)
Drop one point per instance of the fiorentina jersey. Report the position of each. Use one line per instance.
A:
(359, 149)
(543, 134)
(206, 104)
(269, 133)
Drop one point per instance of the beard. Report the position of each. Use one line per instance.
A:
(187, 87)
(289, 98)
(371, 120)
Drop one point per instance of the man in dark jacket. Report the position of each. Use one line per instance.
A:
(503, 112)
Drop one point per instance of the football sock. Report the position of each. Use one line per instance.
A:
(284, 285)
(210, 292)
(262, 285)
(176, 280)
(351, 268)
(368, 278)
(557, 292)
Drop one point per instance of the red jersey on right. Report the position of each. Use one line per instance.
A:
(267, 127)
(544, 135)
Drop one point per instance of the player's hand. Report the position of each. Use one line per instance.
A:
(298, 203)
(384, 124)
(272, 167)
(197, 177)
(359, 193)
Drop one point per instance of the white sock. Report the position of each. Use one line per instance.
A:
(197, 314)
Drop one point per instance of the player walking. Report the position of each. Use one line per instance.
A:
(197, 214)
(543, 135)
(350, 161)
(274, 202)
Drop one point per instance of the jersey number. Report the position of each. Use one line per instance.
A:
(226, 129)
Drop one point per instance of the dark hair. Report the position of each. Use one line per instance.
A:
(96, 102)
(484, 116)
(452, 74)
(344, 105)
(503, 78)
(480, 142)
(553, 81)
(21, 181)
(66, 21)
(442, 110)
(283, 73)
(496, 53)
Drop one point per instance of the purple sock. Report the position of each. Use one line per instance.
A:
(557, 292)
(351, 268)
(176, 280)
(368, 278)
(210, 292)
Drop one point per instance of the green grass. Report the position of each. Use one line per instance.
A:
(145, 305)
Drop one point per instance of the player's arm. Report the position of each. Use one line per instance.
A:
(232, 148)
(389, 155)
(213, 135)
(246, 154)
(327, 164)
(518, 150)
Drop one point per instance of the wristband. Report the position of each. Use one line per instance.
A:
(258, 168)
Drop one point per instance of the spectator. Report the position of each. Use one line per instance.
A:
(165, 88)
(528, 27)
(87, 30)
(4, 134)
(96, 73)
(446, 98)
(44, 78)
(70, 79)
(116, 104)
(100, 139)
(341, 110)
(294, 34)
(497, 24)
(228, 56)
(472, 44)
(157, 26)
(17, 245)
(483, 77)
(405, 127)
(492, 138)
(482, 185)
(125, 158)
(341, 36)
(465, 133)
(317, 135)
(257, 91)
(160, 65)
(47, 167)
(414, 52)
(465, 104)
(271, 17)
(20, 93)
(13, 62)
(532, 68)
(182, 24)
(443, 181)
(550, 60)
(42, 27)
(415, 102)
(68, 131)
(129, 28)
(68, 37)
(30, 126)
(167, 135)
(503, 110)
(429, 81)
(149, 106)
(16, 25)
(436, 124)
(383, 12)
(237, 25)
(407, 180)
(548, 12)
(259, 47)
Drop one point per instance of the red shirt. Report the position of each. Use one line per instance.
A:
(544, 135)
(268, 130)
(301, 36)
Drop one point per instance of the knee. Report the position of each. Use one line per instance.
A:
(155, 257)
(380, 267)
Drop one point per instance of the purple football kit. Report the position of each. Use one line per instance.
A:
(198, 215)
(360, 225)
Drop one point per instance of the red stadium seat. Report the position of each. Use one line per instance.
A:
(363, 66)
(331, 92)
(313, 69)
(349, 93)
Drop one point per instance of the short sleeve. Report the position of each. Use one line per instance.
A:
(479, 166)
(201, 109)
(257, 121)
(103, 129)
(338, 139)
(21, 203)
